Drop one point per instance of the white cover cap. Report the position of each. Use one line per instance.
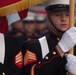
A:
(13, 18)
(40, 17)
(30, 17)
(54, 2)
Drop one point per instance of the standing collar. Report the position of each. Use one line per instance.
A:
(54, 36)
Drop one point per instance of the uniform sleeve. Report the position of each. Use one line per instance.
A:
(13, 66)
(13, 57)
(47, 66)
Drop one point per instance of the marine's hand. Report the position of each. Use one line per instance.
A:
(68, 40)
(71, 64)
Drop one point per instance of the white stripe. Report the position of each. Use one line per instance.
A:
(2, 48)
(13, 18)
(44, 46)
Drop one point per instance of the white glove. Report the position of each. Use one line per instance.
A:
(68, 40)
(71, 64)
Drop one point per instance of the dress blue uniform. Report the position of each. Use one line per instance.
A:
(51, 64)
(12, 64)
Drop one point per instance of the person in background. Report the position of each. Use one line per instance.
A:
(29, 26)
(41, 27)
(16, 28)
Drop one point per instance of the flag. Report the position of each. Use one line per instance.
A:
(9, 19)
(8, 7)
(12, 6)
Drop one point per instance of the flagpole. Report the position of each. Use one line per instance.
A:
(72, 7)
(71, 21)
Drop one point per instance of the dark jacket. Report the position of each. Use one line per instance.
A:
(13, 57)
(34, 64)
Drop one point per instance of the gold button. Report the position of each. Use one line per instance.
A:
(39, 62)
(46, 57)
(3, 73)
(29, 39)
(67, 73)
(54, 53)
(58, 39)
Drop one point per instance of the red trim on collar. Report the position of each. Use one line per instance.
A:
(52, 40)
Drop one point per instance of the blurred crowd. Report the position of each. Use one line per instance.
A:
(33, 26)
